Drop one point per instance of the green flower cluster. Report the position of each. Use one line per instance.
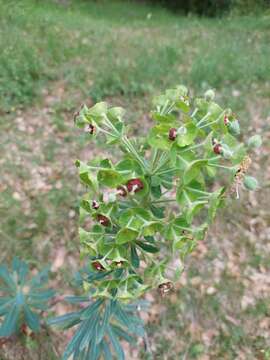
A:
(143, 214)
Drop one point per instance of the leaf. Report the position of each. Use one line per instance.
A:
(214, 202)
(147, 247)
(20, 268)
(31, 318)
(156, 191)
(5, 276)
(116, 113)
(123, 334)
(105, 322)
(116, 344)
(193, 209)
(190, 132)
(135, 260)
(126, 235)
(85, 175)
(182, 105)
(158, 137)
(41, 296)
(75, 341)
(5, 304)
(168, 119)
(106, 351)
(193, 170)
(158, 212)
(97, 112)
(110, 178)
(87, 312)
(10, 322)
(89, 334)
(189, 193)
(65, 321)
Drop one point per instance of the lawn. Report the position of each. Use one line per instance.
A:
(55, 56)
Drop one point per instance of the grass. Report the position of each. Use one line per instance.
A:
(108, 50)
(56, 55)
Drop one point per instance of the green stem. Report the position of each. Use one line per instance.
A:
(215, 121)
(198, 191)
(166, 171)
(194, 112)
(163, 201)
(194, 147)
(162, 162)
(203, 119)
(220, 166)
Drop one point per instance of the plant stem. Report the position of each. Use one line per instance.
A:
(163, 201)
(198, 191)
(220, 166)
(203, 119)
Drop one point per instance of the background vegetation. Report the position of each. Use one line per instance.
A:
(56, 55)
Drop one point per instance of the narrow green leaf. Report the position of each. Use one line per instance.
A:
(10, 322)
(135, 260)
(147, 247)
(116, 344)
(31, 318)
(106, 350)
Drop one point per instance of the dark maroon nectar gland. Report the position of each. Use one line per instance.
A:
(172, 134)
(214, 141)
(91, 129)
(226, 120)
(119, 264)
(121, 190)
(95, 204)
(103, 220)
(165, 288)
(77, 113)
(217, 149)
(134, 185)
(97, 265)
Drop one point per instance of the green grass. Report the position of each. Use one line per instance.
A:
(106, 49)
(54, 57)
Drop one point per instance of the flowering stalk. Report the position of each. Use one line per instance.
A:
(135, 232)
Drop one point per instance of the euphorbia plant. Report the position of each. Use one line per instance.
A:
(143, 214)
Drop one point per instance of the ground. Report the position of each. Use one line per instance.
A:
(55, 57)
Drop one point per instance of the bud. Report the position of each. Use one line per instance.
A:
(112, 197)
(103, 220)
(217, 149)
(172, 134)
(95, 204)
(226, 151)
(182, 130)
(209, 95)
(135, 185)
(254, 142)
(250, 183)
(97, 265)
(234, 128)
